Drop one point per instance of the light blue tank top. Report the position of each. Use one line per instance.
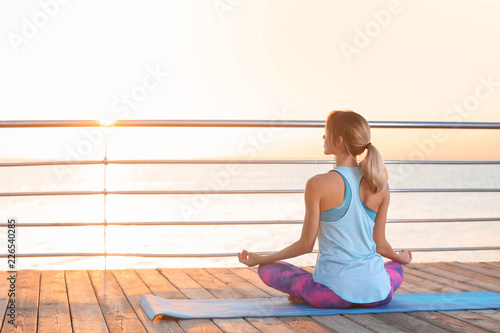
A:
(347, 261)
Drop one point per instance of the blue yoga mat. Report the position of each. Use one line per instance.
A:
(281, 307)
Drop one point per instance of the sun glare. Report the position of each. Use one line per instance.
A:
(106, 122)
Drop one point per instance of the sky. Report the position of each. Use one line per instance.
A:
(220, 59)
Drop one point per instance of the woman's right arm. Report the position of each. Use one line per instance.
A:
(310, 228)
(383, 247)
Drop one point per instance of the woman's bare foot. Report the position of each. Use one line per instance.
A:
(294, 299)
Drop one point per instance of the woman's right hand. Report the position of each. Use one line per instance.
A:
(249, 258)
(405, 257)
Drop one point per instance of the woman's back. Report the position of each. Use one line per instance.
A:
(348, 262)
(332, 192)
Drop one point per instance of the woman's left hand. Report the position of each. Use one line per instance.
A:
(249, 258)
(405, 257)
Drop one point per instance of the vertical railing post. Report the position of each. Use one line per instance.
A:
(105, 162)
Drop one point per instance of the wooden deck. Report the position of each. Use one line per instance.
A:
(76, 301)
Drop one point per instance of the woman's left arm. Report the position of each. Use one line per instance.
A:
(312, 197)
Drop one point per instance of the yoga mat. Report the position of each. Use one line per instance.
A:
(281, 307)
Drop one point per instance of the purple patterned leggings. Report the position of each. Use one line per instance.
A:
(297, 282)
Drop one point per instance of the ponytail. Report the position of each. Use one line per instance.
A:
(355, 131)
(373, 169)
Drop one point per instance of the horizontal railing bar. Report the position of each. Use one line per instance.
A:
(447, 220)
(48, 163)
(48, 193)
(298, 123)
(49, 123)
(432, 124)
(191, 192)
(251, 222)
(444, 162)
(240, 123)
(222, 161)
(446, 190)
(212, 255)
(233, 161)
(438, 249)
(299, 161)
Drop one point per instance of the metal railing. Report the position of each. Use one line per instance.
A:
(230, 123)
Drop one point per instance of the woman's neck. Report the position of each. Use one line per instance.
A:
(345, 160)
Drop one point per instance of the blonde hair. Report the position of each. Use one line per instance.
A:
(355, 132)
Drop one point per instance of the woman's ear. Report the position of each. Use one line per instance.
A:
(340, 141)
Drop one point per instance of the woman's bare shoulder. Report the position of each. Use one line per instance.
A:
(373, 200)
(326, 179)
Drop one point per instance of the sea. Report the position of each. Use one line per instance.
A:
(196, 239)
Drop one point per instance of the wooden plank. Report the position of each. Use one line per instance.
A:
(252, 277)
(304, 324)
(158, 284)
(492, 263)
(26, 301)
(442, 271)
(86, 314)
(215, 286)
(340, 324)
(437, 283)
(376, 324)
(414, 323)
(470, 277)
(451, 320)
(493, 314)
(53, 312)
(185, 284)
(4, 295)
(233, 325)
(476, 320)
(199, 326)
(480, 268)
(411, 288)
(270, 325)
(238, 283)
(192, 290)
(117, 311)
(133, 288)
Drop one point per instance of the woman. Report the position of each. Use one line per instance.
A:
(346, 209)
